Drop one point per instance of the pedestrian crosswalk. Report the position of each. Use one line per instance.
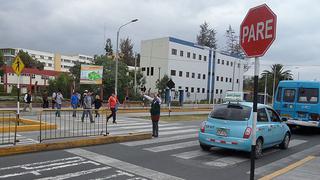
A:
(180, 141)
(20, 140)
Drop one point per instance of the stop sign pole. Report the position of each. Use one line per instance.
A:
(257, 33)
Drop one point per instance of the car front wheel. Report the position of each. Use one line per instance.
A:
(285, 142)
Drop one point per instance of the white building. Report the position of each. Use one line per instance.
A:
(190, 67)
(53, 61)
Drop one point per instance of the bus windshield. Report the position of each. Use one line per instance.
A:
(308, 95)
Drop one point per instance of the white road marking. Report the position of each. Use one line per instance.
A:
(226, 161)
(140, 171)
(191, 154)
(173, 146)
(119, 173)
(159, 140)
(160, 131)
(296, 142)
(177, 132)
(75, 174)
(146, 126)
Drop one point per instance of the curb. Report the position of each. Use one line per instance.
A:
(288, 168)
(21, 149)
(30, 125)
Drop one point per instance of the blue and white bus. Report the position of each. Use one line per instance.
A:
(298, 101)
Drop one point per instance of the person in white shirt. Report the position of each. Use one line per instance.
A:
(27, 101)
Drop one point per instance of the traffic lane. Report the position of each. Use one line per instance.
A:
(58, 165)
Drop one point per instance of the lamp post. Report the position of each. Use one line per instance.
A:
(274, 84)
(117, 55)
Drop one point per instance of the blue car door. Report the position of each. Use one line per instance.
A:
(276, 126)
(263, 126)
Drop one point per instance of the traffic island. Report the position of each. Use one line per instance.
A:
(73, 143)
(23, 125)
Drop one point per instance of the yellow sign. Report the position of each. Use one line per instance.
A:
(17, 65)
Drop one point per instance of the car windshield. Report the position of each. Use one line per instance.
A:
(231, 112)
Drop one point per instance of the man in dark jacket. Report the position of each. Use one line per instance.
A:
(155, 113)
(27, 101)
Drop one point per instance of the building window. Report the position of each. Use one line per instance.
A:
(192, 89)
(221, 79)
(231, 64)
(220, 91)
(148, 71)
(227, 79)
(194, 55)
(33, 76)
(41, 57)
(200, 57)
(239, 65)
(193, 75)
(199, 76)
(203, 76)
(143, 69)
(181, 53)
(203, 90)
(173, 51)
(49, 64)
(188, 54)
(227, 63)
(180, 73)
(179, 87)
(198, 90)
(187, 89)
(205, 58)
(222, 62)
(218, 61)
(237, 80)
(187, 74)
(230, 79)
(173, 72)
(152, 71)
(217, 91)
(50, 58)
(217, 78)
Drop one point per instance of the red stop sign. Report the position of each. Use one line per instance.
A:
(258, 31)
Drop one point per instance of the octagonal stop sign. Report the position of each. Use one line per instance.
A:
(258, 31)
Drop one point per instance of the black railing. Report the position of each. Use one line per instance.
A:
(8, 127)
(72, 123)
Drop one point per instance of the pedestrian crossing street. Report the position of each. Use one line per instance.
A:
(180, 142)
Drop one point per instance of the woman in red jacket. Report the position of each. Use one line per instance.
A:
(113, 103)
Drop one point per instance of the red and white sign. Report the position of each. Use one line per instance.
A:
(258, 31)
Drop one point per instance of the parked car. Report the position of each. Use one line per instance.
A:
(229, 126)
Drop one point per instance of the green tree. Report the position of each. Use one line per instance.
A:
(75, 74)
(278, 72)
(63, 83)
(126, 50)
(108, 47)
(207, 36)
(232, 41)
(29, 62)
(162, 84)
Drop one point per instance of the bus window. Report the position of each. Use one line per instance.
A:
(308, 95)
(289, 95)
(279, 94)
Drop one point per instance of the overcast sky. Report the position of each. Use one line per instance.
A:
(77, 26)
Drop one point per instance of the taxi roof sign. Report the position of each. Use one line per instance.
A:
(232, 96)
(17, 65)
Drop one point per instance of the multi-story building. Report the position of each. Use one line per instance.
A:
(199, 73)
(52, 61)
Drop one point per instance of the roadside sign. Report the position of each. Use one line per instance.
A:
(258, 31)
(17, 65)
(170, 84)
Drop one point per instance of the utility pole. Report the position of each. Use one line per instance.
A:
(135, 74)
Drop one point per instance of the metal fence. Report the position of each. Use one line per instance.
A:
(8, 127)
(72, 123)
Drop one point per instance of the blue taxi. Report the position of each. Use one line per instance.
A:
(229, 126)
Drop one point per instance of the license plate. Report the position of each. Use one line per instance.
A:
(221, 132)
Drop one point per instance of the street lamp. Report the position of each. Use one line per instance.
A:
(117, 54)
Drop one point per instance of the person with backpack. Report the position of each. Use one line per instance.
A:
(97, 104)
(113, 104)
(27, 101)
(154, 112)
(87, 107)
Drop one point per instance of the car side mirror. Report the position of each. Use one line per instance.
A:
(284, 119)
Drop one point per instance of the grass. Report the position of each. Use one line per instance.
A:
(175, 118)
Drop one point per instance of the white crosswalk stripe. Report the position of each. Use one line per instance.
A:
(172, 146)
(160, 140)
(226, 161)
(191, 154)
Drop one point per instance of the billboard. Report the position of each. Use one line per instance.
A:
(91, 74)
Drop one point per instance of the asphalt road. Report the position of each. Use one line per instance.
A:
(174, 155)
